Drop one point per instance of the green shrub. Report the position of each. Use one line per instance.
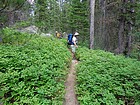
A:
(14, 37)
(33, 73)
(21, 24)
(105, 79)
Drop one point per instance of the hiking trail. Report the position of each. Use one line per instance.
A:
(70, 96)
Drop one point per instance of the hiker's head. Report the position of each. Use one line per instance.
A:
(76, 34)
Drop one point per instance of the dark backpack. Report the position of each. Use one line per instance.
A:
(70, 36)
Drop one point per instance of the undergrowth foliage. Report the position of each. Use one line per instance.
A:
(105, 79)
(32, 69)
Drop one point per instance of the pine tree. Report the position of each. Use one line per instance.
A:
(79, 19)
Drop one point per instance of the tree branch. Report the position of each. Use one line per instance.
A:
(1, 10)
(17, 7)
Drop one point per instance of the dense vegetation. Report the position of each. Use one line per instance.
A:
(32, 69)
(105, 79)
(116, 21)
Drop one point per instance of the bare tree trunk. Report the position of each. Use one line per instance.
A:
(102, 40)
(104, 35)
(125, 40)
(129, 46)
(120, 36)
(92, 6)
(11, 18)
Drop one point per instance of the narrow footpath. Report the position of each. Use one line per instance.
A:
(70, 96)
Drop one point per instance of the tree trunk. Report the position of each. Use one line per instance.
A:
(121, 33)
(120, 36)
(103, 16)
(125, 29)
(11, 20)
(92, 6)
(101, 25)
(129, 37)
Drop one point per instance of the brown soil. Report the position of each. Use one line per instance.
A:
(70, 96)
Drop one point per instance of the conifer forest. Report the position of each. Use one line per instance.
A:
(35, 63)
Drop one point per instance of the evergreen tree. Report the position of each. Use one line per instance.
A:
(79, 19)
(48, 15)
(7, 10)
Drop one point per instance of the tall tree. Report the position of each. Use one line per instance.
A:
(79, 19)
(8, 7)
(92, 6)
(102, 5)
(126, 22)
(48, 15)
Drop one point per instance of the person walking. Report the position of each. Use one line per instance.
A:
(58, 35)
(74, 45)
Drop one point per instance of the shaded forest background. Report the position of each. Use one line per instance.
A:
(117, 22)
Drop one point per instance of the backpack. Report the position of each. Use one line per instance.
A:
(70, 36)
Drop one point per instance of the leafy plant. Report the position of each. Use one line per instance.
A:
(103, 78)
(33, 72)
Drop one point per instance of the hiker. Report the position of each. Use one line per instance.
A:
(58, 35)
(73, 44)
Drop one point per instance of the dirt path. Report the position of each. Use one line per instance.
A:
(70, 96)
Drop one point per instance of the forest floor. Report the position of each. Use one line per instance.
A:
(70, 96)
